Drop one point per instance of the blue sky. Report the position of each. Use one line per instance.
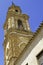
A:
(33, 8)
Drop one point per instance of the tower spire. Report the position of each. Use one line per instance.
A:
(13, 3)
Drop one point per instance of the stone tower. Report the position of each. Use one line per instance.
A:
(17, 34)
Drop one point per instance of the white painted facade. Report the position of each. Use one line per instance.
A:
(30, 52)
(31, 58)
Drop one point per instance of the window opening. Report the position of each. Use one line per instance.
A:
(20, 25)
(40, 58)
(27, 64)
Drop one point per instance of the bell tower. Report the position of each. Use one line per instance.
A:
(17, 33)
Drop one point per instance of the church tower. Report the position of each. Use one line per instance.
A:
(17, 34)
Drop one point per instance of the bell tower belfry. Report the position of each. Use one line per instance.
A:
(17, 34)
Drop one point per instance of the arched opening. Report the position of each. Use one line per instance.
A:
(16, 10)
(20, 25)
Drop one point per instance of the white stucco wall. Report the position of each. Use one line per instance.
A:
(31, 58)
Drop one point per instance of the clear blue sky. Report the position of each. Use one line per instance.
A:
(33, 8)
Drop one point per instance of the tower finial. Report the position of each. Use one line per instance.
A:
(13, 3)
